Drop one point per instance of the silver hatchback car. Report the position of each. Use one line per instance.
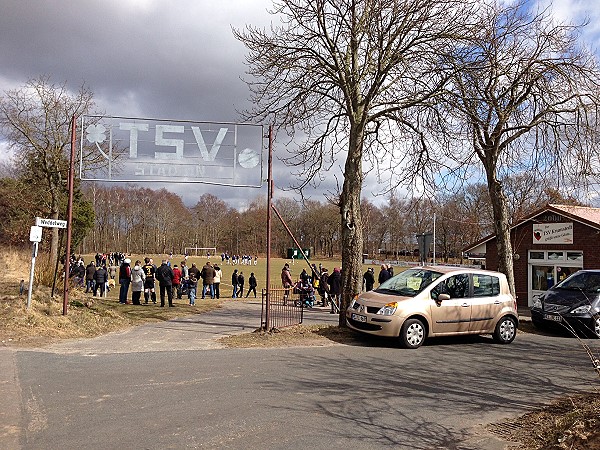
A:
(432, 301)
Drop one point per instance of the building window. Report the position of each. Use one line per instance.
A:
(543, 277)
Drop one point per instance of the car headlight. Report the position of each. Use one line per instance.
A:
(537, 303)
(582, 309)
(388, 309)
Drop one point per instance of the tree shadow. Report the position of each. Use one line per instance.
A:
(423, 399)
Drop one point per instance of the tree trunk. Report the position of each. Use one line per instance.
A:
(352, 233)
(502, 229)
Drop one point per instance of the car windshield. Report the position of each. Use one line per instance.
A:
(408, 283)
(582, 281)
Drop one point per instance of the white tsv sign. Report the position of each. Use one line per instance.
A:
(133, 150)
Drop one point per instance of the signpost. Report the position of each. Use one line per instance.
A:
(424, 241)
(35, 236)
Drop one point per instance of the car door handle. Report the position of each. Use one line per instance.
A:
(497, 302)
(465, 305)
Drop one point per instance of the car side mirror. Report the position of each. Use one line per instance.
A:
(443, 297)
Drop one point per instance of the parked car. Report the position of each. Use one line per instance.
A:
(574, 302)
(432, 301)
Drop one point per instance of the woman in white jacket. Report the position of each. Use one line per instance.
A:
(217, 280)
(137, 282)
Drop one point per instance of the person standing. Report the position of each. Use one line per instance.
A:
(240, 293)
(217, 281)
(89, 277)
(234, 282)
(177, 280)
(286, 281)
(112, 271)
(208, 277)
(304, 276)
(80, 274)
(100, 279)
(192, 283)
(335, 288)
(124, 280)
(251, 285)
(324, 286)
(384, 275)
(369, 279)
(137, 282)
(164, 275)
(149, 282)
(193, 277)
(184, 270)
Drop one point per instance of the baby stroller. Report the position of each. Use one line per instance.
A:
(184, 287)
(307, 295)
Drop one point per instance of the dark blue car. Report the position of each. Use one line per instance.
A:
(572, 304)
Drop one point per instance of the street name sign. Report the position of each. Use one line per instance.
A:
(51, 223)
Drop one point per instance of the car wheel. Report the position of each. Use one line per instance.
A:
(412, 333)
(506, 330)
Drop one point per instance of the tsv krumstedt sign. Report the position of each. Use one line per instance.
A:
(138, 150)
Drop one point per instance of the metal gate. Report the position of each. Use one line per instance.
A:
(284, 309)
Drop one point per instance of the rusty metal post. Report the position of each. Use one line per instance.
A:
(69, 217)
(269, 216)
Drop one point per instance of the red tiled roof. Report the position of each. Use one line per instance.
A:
(583, 212)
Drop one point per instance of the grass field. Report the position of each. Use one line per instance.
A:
(90, 316)
(260, 269)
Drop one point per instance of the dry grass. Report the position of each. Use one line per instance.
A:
(569, 423)
(87, 316)
(297, 336)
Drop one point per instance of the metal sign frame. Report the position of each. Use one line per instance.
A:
(134, 150)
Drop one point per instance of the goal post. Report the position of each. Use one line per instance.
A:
(202, 251)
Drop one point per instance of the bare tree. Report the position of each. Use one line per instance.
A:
(346, 74)
(35, 120)
(522, 98)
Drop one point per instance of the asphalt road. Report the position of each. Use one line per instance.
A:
(136, 390)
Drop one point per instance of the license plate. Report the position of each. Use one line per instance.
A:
(553, 317)
(358, 317)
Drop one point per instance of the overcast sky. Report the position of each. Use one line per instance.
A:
(157, 58)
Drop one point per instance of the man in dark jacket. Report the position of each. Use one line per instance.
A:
(369, 279)
(324, 287)
(124, 280)
(208, 274)
(240, 293)
(165, 275)
(89, 277)
(384, 275)
(234, 282)
(335, 288)
(100, 279)
(252, 285)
